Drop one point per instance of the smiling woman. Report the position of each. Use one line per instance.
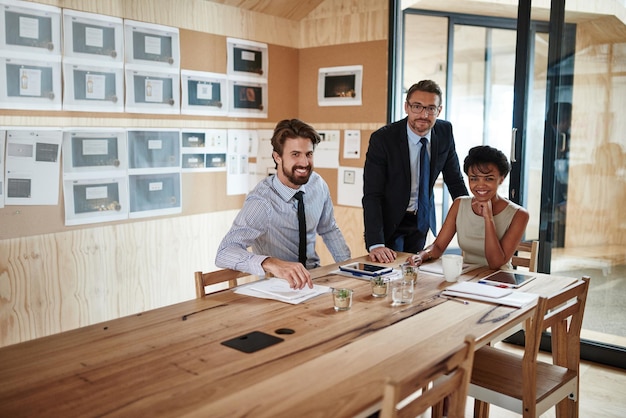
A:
(488, 226)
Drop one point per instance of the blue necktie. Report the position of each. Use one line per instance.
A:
(301, 229)
(423, 201)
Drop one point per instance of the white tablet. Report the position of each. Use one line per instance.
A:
(507, 279)
(365, 269)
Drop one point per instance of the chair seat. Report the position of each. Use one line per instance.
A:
(497, 376)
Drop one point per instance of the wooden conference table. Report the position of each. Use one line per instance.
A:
(170, 361)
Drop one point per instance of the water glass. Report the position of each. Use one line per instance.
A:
(402, 291)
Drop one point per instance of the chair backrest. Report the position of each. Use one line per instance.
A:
(526, 255)
(563, 313)
(452, 375)
(524, 384)
(214, 277)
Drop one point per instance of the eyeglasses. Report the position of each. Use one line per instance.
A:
(418, 108)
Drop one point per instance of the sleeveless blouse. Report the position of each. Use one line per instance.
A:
(470, 229)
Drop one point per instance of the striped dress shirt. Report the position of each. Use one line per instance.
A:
(268, 225)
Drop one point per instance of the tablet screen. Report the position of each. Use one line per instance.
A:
(508, 278)
(366, 269)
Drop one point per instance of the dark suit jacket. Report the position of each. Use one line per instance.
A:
(387, 177)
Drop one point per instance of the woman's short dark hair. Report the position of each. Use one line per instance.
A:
(482, 155)
(292, 128)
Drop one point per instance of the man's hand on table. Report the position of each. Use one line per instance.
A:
(295, 273)
(382, 255)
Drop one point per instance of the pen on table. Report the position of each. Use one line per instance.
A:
(464, 302)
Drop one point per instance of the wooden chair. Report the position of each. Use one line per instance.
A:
(215, 277)
(521, 383)
(403, 398)
(526, 255)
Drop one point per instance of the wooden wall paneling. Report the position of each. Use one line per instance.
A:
(350, 221)
(57, 282)
(336, 22)
(206, 192)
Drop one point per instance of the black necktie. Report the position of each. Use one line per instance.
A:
(423, 202)
(302, 228)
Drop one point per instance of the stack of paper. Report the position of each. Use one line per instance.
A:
(278, 289)
(486, 293)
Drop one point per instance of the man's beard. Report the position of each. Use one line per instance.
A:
(295, 179)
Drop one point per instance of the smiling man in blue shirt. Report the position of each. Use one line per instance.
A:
(268, 220)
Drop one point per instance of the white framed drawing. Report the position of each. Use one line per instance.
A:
(340, 86)
(151, 45)
(203, 93)
(155, 194)
(327, 151)
(32, 166)
(89, 88)
(247, 98)
(92, 152)
(91, 36)
(30, 30)
(247, 58)
(30, 84)
(350, 186)
(152, 92)
(95, 200)
(151, 150)
(203, 150)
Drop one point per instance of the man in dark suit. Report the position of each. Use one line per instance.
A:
(391, 175)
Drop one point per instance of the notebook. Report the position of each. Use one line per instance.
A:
(492, 294)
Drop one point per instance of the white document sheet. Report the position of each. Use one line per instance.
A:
(435, 267)
(278, 289)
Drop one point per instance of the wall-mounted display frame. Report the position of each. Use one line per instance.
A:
(30, 29)
(155, 194)
(203, 150)
(30, 84)
(91, 152)
(152, 92)
(247, 58)
(340, 86)
(95, 200)
(32, 166)
(152, 45)
(90, 36)
(88, 88)
(150, 149)
(247, 98)
(203, 93)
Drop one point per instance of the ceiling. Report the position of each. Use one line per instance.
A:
(287, 9)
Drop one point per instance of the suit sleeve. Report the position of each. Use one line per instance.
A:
(374, 180)
(452, 175)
